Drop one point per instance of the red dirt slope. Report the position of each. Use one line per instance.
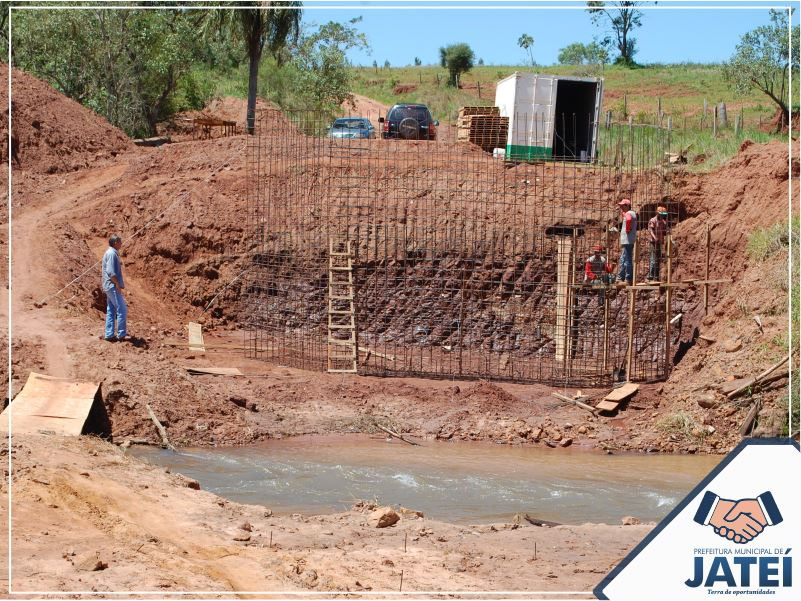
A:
(54, 133)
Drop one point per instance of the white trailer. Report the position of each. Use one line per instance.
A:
(550, 116)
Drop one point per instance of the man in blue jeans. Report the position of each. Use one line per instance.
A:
(113, 285)
(628, 234)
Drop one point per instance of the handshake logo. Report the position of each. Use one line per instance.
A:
(739, 521)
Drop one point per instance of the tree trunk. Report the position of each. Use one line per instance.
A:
(253, 84)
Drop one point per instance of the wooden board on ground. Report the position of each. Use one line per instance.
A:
(612, 400)
(51, 405)
(196, 337)
(213, 371)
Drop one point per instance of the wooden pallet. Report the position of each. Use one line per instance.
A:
(478, 110)
(487, 131)
(341, 343)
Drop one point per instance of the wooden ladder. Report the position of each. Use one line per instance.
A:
(342, 352)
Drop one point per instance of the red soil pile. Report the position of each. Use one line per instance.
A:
(53, 133)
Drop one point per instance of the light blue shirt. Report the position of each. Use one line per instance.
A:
(111, 266)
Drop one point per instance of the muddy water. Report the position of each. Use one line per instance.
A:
(453, 482)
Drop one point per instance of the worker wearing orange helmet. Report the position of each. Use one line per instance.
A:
(657, 227)
(628, 235)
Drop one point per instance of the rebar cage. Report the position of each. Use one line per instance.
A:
(460, 263)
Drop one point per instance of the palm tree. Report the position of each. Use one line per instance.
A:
(268, 24)
(526, 42)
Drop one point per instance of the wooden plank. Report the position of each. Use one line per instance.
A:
(625, 391)
(577, 402)
(213, 371)
(53, 405)
(607, 405)
(196, 337)
(563, 262)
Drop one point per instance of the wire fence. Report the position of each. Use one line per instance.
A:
(462, 263)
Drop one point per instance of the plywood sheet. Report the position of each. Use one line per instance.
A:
(50, 405)
(214, 371)
(625, 391)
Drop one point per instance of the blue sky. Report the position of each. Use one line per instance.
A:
(678, 34)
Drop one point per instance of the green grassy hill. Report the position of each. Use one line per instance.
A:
(679, 89)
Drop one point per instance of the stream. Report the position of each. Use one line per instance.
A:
(453, 482)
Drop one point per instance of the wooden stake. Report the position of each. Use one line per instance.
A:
(405, 538)
(630, 349)
(706, 283)
(271, 539)
(606, 312)
(668, 297)
(606, 331)
(400, 588)
(715, 122)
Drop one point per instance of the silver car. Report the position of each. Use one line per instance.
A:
(352, 127)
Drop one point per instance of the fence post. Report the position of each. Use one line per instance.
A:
(714, 124)
(625, 106)
(659, 108)
(479, 89)
(608, 119)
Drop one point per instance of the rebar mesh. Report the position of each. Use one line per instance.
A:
(463, 265)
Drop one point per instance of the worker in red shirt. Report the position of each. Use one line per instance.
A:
(596, 269)
(657, 227)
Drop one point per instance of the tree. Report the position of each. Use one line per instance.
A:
(320, 77)
(583, 54)
(481, 62)
(623, 17)
(458, 59)
(375, 66)
(268, 24)
(125, 65)
(761, 60)
(596, 54)
(386, 64)
(526, 42)
(417, 61)
(572, 54)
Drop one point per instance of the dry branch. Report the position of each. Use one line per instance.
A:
(398, 436)
(165, 442)
(589, 408)
(759, 378)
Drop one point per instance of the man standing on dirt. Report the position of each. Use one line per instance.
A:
(113, 284)
(657, 226)
(628, 235)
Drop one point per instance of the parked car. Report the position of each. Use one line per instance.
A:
(409, 122)
(352, 127)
